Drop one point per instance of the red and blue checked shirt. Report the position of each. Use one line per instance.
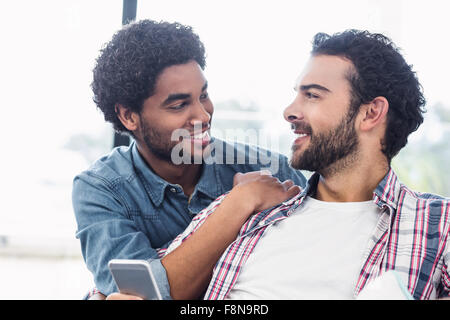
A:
(411, 237)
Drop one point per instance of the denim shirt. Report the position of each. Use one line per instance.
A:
(125, 211)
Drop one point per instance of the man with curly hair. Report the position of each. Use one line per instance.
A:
(149, 83)
(357, 102)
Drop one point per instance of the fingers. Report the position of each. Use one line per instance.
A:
(121, 296)
(287, 184)
(250, 176)
(291, 189)
(288, 188)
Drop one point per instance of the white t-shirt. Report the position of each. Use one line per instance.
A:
(316, 253)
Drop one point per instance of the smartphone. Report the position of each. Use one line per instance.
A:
(135, 277)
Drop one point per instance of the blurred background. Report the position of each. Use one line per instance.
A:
(255, 50)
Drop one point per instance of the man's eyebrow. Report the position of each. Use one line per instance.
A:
(180, 96)
(313, 86)
(174, 97)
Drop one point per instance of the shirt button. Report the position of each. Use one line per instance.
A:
(173, 190)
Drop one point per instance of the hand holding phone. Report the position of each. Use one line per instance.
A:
(135, 277)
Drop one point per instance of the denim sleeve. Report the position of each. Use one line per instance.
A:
(160, 274)
(106, 232)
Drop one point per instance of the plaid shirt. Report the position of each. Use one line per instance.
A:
(411, 237)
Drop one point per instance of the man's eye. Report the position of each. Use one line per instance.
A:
(204, 96)
(178, 106)
(311, 95)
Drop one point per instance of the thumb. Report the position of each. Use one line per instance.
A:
(293, 191)
(236, 178)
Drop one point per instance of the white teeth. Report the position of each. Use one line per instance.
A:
(200, 136)
(301, 135)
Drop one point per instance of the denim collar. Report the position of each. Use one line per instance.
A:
(208, 184)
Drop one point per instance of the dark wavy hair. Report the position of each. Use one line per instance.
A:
(128, 66)
(380, 70)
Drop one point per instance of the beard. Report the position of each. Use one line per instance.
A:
(328, 152)
(163, 146)
(160, 145)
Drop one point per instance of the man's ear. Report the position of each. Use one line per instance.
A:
(374, 113)
(129, 119)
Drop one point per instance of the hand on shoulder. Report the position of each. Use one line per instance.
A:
(261, 190)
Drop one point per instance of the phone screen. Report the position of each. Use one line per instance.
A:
(135, 279)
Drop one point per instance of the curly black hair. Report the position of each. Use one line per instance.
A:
(128, 66)
(380, 70)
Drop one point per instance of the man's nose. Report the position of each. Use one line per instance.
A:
(292, 112)
(200, 114)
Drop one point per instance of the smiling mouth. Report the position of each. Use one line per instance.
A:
(202, 139)
(301, 133)
(200, 136)
(300, 137)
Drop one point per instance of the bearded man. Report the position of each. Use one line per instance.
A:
(357, 102)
